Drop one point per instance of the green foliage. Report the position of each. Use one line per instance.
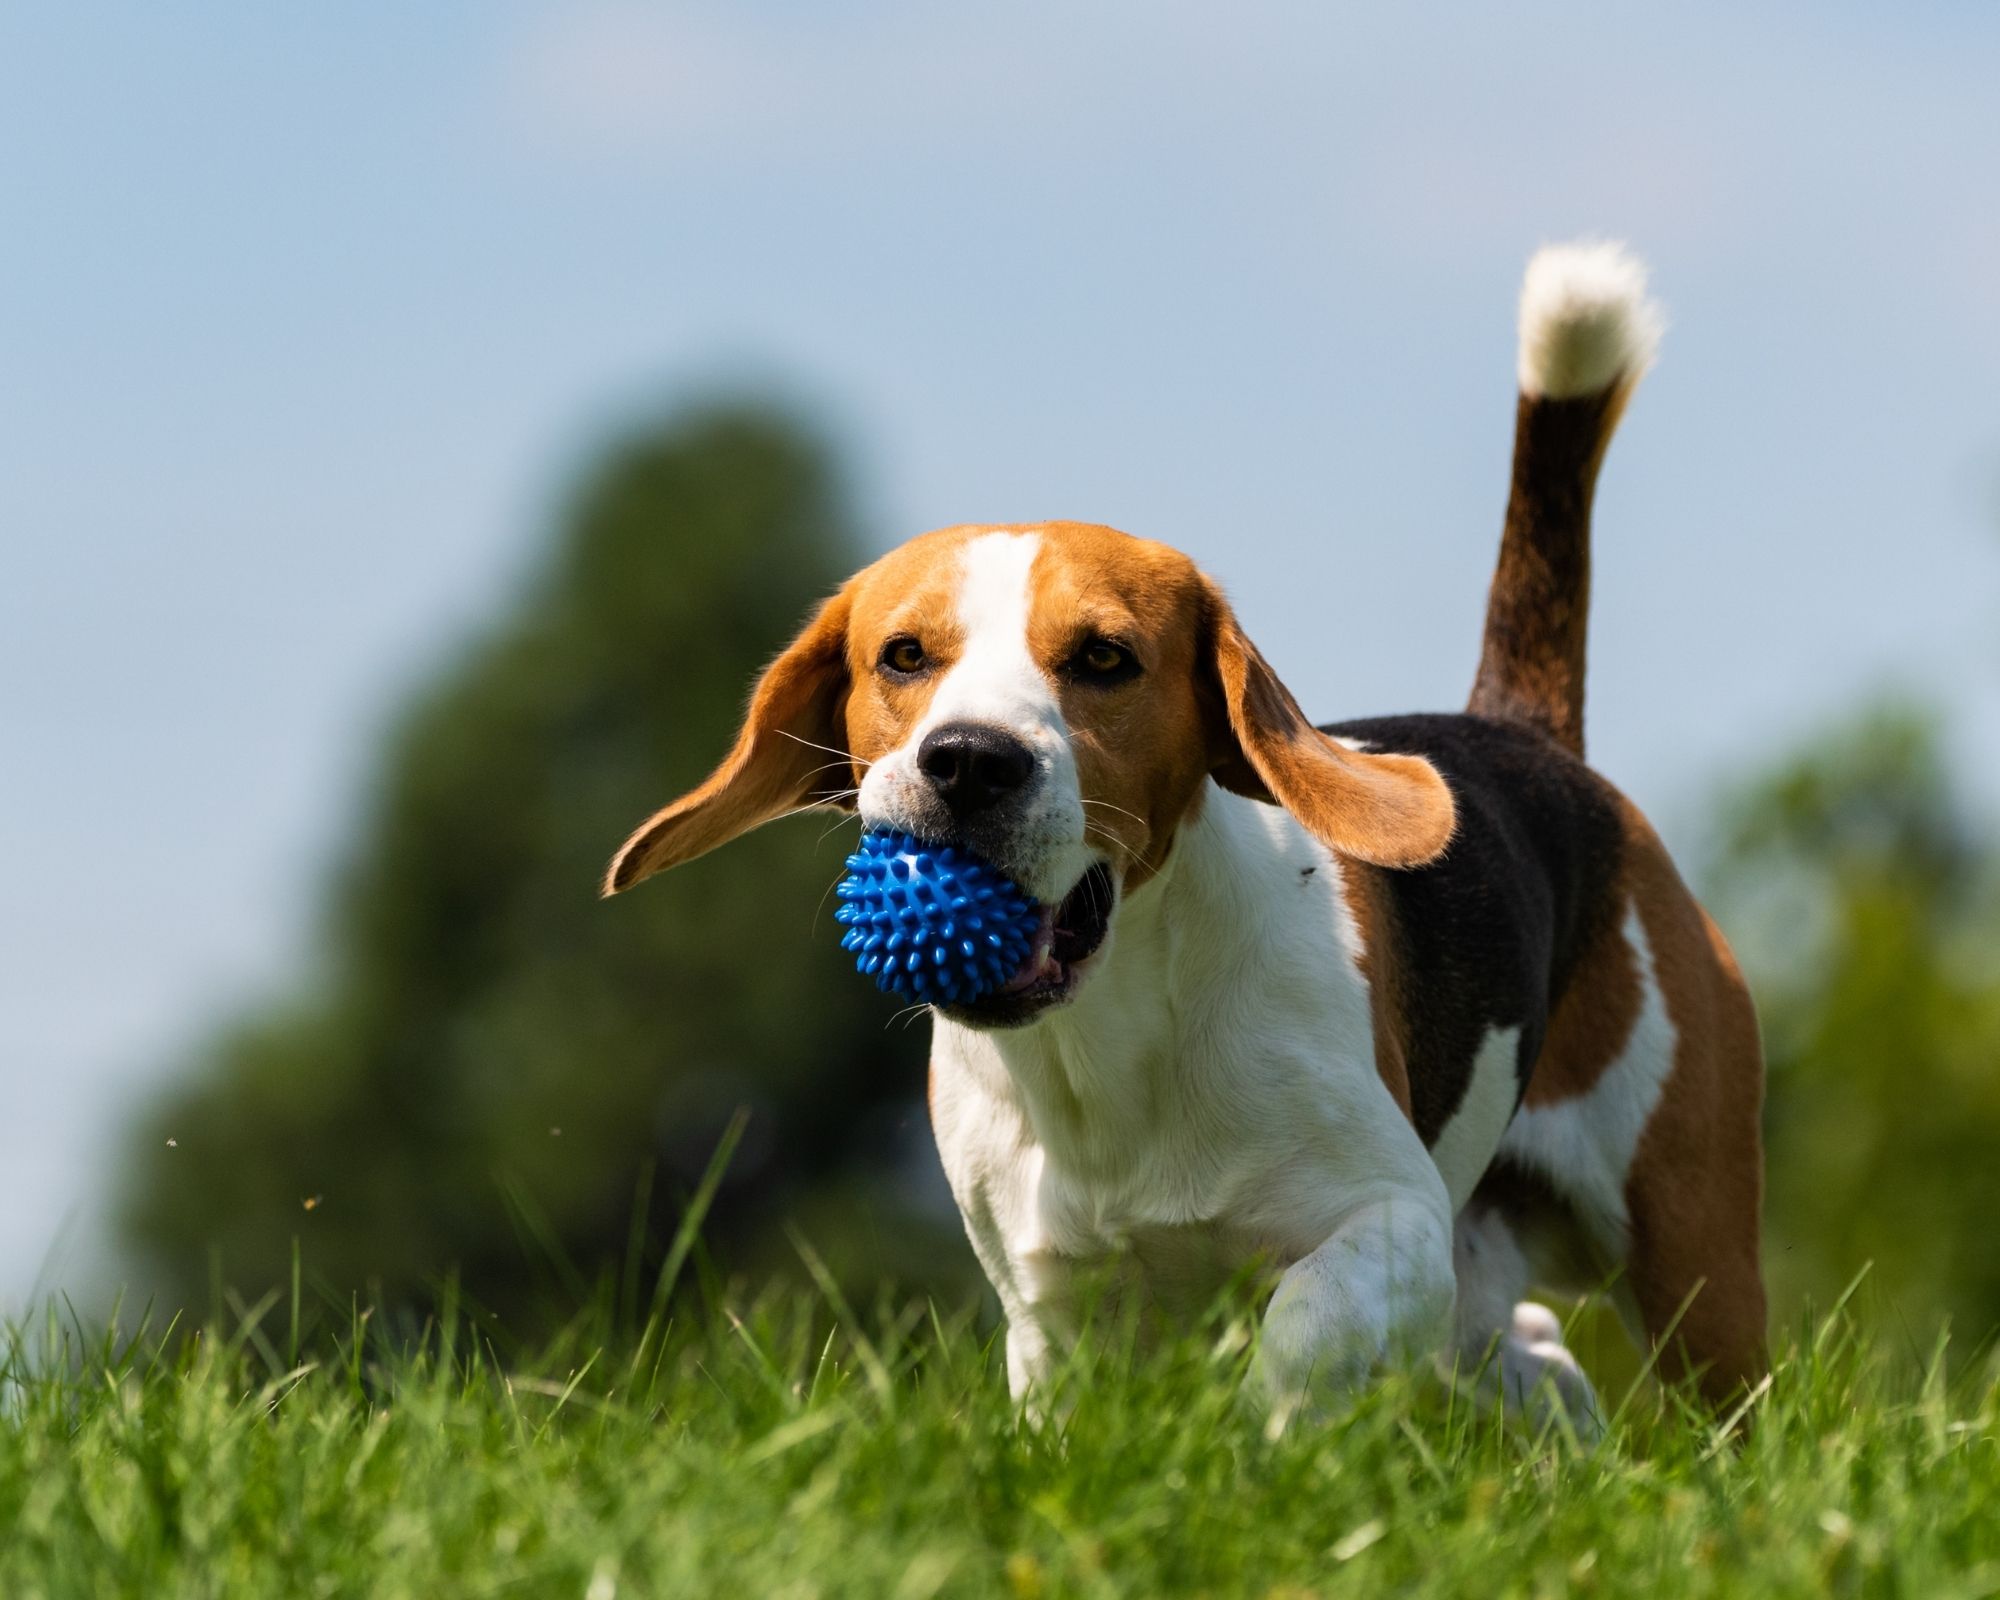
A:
(488, 1050)
(1864, 903)
(763, 1450)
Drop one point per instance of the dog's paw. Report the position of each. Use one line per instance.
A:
(1538, 1377)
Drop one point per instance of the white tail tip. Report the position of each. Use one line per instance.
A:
(1586, 320)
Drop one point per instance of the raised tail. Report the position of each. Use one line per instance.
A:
(1588, 332)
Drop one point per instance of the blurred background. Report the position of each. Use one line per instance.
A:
(418, 423)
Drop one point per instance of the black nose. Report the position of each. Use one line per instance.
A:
(974, 767)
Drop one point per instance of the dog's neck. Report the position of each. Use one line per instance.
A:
(1242, 942)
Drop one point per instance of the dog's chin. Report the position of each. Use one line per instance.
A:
(1065, 953)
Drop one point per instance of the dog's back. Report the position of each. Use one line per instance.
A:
(1491, 934)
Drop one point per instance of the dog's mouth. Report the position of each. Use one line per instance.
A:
(1069, 935)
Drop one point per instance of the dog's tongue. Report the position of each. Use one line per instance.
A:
(1041, 962)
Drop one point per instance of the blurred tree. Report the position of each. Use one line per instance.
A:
(479, 1024)
(1864, 904)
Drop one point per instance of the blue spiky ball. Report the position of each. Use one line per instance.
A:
(930, 922)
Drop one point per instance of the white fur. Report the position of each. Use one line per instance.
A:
(1464, 1145)
(1585, 1145)
(1209, 1097)
(1586, 320)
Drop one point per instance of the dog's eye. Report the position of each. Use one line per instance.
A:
(904, 656)
(1102, 661)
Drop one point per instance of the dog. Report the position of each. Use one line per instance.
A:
(1415, 1010)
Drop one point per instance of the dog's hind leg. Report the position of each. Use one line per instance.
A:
(1510, 1350)
(1695, 1187)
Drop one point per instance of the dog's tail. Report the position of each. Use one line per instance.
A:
(1588, 333)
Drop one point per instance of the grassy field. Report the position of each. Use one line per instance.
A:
(774, 1447)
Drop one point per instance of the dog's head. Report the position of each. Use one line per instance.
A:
(1055, 699)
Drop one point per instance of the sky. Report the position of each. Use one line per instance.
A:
(309, 315)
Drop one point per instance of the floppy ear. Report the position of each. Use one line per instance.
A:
(793, 733)
(1390, 810)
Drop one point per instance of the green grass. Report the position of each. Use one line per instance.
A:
(784, 1446)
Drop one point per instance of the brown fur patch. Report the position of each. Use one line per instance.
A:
(1531, 664)
(1592, 1022)
(913, 591)
(1141, 746)
(1388, 810)
(1362, 888)
(795, 713)
(1695, 1191)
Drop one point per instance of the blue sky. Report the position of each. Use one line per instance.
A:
(306, 316)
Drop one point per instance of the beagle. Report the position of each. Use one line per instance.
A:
(1413, 1010)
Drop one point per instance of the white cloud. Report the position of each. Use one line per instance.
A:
(621, 81)
(598, 79)
(1431, 142)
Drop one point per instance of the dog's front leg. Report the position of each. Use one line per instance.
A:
(1378, 1290)
(1029, 1359)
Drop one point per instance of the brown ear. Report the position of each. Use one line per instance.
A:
(1391, 810)
(788, 752)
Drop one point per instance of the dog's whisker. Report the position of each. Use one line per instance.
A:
(820, 905)
(1103, 835)
(845, 755)
(1101, 830)
(839, 823)
(1090, 879)
(1119, 809)
(818, 803)
(1115, 845)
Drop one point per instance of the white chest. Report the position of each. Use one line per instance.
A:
(1056, 1239)
(1208, 1105)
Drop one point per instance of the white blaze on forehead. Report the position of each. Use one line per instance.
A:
(995, 678)
(996, 681)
